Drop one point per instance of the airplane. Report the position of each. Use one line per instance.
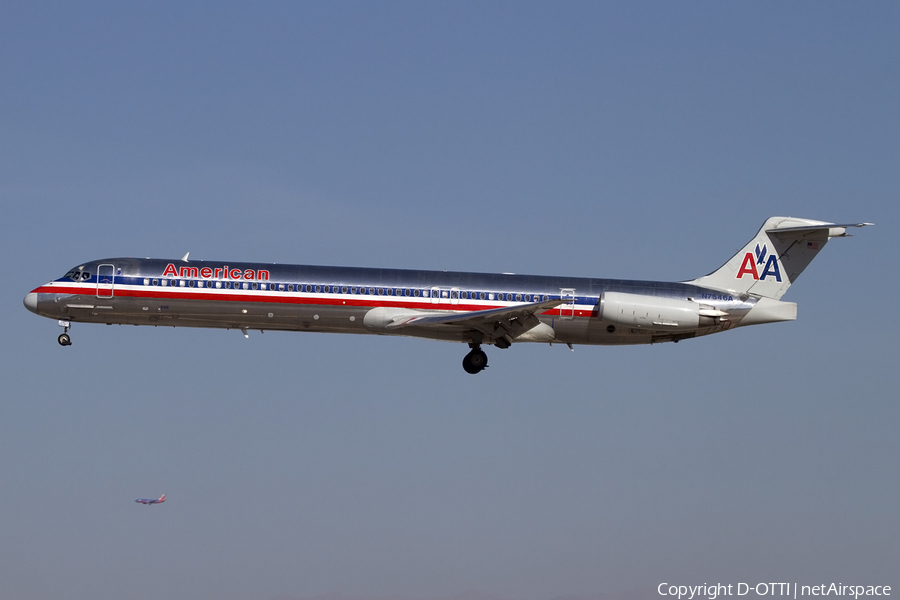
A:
(473, 308)
(150, 501)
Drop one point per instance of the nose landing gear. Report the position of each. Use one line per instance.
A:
(64, 339)
(475, 361)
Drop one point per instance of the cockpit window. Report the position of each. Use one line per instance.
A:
(77, 275)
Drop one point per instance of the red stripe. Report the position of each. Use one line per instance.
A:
(279, 298)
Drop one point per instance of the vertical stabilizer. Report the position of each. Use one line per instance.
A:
(775, 257)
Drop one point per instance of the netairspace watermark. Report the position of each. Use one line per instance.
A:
(713, 591)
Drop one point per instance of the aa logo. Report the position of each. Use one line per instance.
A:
(751, 263)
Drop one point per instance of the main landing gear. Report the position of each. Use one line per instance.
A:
(475, 361)
(64, 339)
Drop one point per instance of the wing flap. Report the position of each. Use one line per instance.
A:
(476, 319)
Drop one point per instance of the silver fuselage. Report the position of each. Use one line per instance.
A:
(256, 296)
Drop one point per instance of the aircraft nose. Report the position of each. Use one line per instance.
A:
(31, 302)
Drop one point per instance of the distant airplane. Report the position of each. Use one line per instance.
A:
(472, 308)
(149, 501)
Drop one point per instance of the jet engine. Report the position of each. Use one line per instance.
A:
(655, 312)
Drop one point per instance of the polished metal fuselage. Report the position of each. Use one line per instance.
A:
(258, 296)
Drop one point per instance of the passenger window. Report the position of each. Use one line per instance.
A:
(146, 281)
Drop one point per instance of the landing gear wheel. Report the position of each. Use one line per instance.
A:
(475, 361)
(64, 339)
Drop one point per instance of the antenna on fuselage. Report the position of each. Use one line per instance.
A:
(184, 258)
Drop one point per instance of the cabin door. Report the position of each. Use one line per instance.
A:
(567, 311)
(106, 280)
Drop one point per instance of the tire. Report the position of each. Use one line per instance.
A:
(64, 339)
(475, 362)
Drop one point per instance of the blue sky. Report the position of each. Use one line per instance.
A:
(639, 140)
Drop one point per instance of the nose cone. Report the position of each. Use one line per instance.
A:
(31, 301)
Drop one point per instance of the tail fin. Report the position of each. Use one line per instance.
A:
(162, 498)
(775, 257)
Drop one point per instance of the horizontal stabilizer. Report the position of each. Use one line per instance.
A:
(834, 229)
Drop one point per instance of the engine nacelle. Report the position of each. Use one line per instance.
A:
(653, 312)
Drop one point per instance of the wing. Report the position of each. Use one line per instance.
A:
(493, 325)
